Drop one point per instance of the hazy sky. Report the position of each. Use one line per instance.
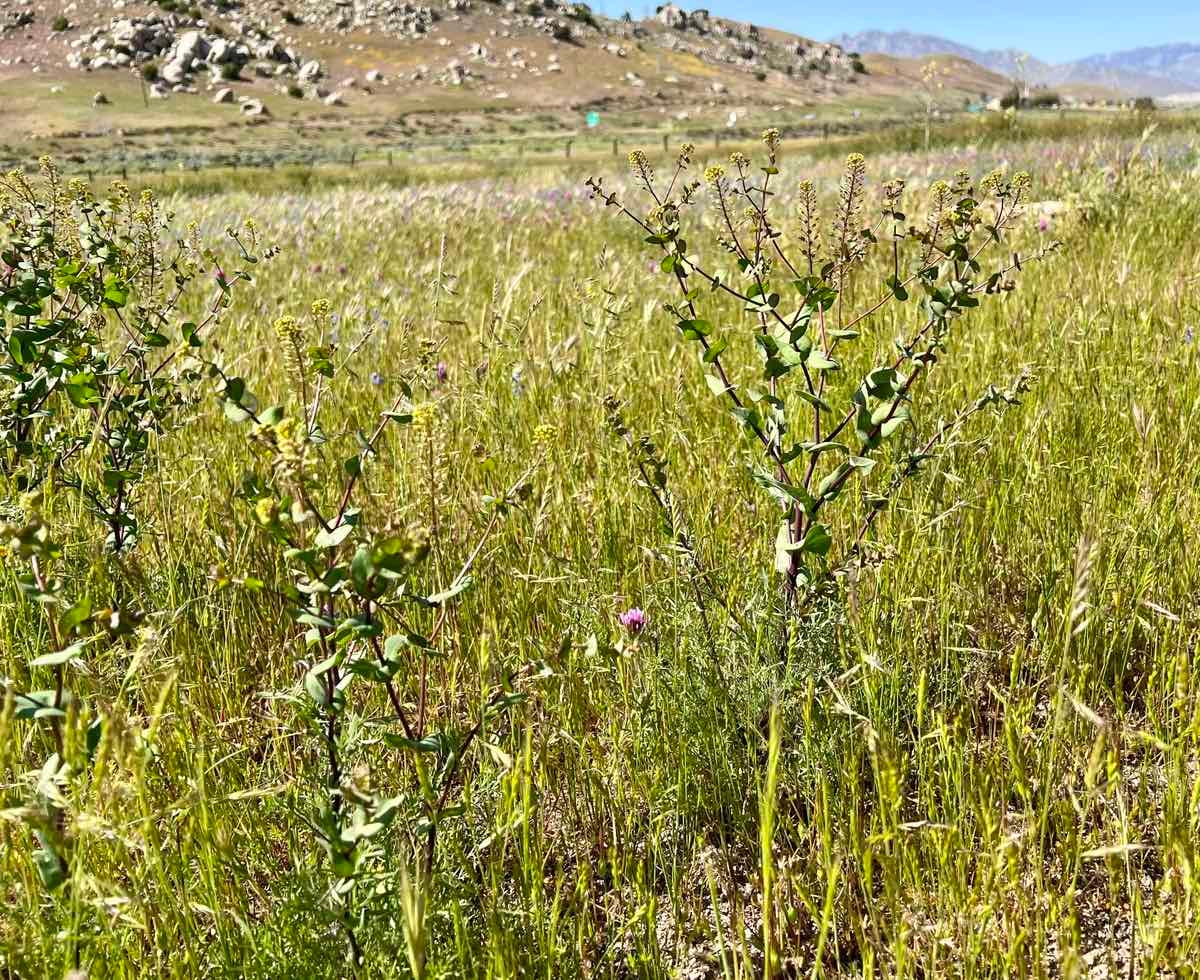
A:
(1063, 34)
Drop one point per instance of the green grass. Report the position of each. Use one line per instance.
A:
(982, 763)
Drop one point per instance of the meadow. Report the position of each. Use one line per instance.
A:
(567, 724)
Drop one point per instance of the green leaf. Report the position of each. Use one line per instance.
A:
(82, 390)
(785, 493)
(60, 657)
(506, 701)
(816, 448)
(897, 288)
(715, 384)
(695, 329)
(50, 867)
(393, 645)
(783, 548)
(314, 682)
(312, 619)
(430, 743)
(817, 540)
(40, 704)
(333, 537)
(116, 293)
(813, 400)
(440, 598)
(818, 360)
(715, 349)
(76, 615)
(362, 831)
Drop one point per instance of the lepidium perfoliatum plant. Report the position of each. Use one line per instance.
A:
(810, 291)
(395, 701)
(97, 299)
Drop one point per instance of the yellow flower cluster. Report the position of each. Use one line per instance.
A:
(291, 334)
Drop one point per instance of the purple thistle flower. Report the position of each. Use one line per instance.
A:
(441, 372)
(634, 620)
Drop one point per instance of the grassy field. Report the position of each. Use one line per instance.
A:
(978, 759)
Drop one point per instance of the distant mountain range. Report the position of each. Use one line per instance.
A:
(1160, 70)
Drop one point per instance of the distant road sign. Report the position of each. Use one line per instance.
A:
(593, 120)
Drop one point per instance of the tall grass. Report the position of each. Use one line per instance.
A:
(985, 765)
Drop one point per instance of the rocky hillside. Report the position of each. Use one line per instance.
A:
(397, 54)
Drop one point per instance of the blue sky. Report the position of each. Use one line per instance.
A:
(1051, 31)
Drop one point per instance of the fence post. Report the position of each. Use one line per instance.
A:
(568, 148)
(665, 151)
(616, 151)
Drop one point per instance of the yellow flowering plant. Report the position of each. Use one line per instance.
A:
(816, 430)
(368, 628)
(98, 301)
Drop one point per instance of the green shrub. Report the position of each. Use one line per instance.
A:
(815, 434)
(60, 24)
(92, 378)
(150, 71)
